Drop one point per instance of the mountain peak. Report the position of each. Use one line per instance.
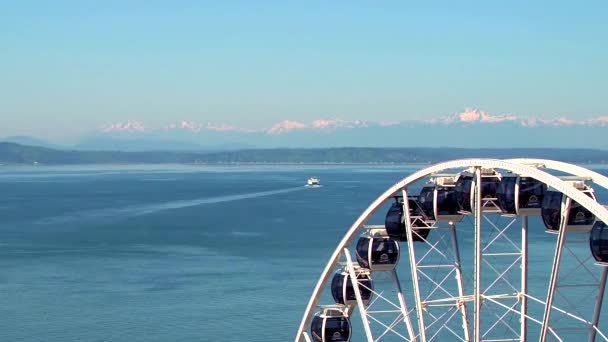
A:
(478, 115)
(285, 126)
(470, 115)
(197, 127)
(128, 127)
(186, 125)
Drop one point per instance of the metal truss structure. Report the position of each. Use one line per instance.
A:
(470, 279)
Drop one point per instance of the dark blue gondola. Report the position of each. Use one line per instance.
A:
(598, 242)
(343, 291)
(465, 188)
(395, 221)
(330, 325)
(578, 216)
(520, 195)
(439, 203)
(377, 253)
(463, 192)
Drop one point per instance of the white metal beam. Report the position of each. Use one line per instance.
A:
(598, 305)
(355, 282)
(561, 239)
(404, 312)
(478, 251)
(461, 303)
(413, 267)
(524, 281)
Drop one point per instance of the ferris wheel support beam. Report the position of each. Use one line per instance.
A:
(478, 251)
(462, 303)
(515, 166)
(355, 282)
(524, 279)
(404, 312)
(561, 239)
(413, 267)
(598, 305)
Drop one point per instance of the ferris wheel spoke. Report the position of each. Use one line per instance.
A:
(447, 328)
(537, 321)
(501, 276)
(501, 233)
(581, 263)
(500, 320)
(433, 248)
(388, 329)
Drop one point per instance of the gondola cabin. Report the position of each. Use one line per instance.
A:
(438, 202)
(598, 242)
(465, 191)
(377, 253)
(555, 205)
(395, 220)
(343, 291)
(520, 195)
(330, 325)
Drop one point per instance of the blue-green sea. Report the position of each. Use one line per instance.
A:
(172, 253)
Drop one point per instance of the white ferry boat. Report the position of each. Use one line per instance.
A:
(313, 181)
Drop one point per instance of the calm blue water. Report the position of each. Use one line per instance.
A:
(170, 253)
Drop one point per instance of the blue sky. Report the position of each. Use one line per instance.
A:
(69, 66)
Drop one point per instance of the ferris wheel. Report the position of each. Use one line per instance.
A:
(471, 250)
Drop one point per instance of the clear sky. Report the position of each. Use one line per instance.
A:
(70, 66)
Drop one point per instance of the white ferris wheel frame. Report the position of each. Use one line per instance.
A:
(522, 167)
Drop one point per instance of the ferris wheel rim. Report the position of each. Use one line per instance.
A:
(572, 169)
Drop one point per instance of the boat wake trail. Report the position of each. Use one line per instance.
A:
(138, 210)
(147, 209)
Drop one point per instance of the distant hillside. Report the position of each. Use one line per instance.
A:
(30, 141)
(399, 155)
(11, 153)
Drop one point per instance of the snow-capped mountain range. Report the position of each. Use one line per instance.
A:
(471, 128)
(282, 127)
(470, 115)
